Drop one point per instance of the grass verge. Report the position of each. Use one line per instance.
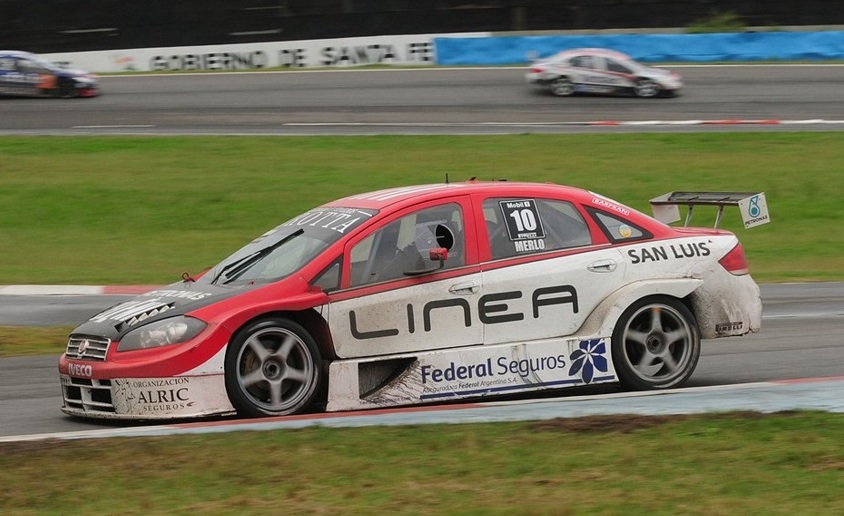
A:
(17, 341)
(142, 210)
(124, 210)
(739, 463)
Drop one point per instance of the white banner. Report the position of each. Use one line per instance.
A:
(406, 50)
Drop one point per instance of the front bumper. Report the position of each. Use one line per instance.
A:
(145, 398)
(541, 78)
(88, 91)
(670, 84)
(176, 381)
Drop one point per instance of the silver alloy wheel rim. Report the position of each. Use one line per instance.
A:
(646, 88)
(562, 87)
(275, 369)
(658, 343)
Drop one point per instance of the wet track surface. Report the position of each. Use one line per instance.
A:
(803, 324)
(424, 101)
(802, 338)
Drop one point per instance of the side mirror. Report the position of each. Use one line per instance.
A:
(436, 254)
(195, 276)
(439, 254)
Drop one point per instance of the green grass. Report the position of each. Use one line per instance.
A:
(18, 341)
(125, 210)
(788, 463)
(143, 210)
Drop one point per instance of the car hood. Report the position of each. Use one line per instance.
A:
(170, 301)
(74, 73)
(656, 73)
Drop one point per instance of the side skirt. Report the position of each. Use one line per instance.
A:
(472, 372)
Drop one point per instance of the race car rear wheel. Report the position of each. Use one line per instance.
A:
(273, 368)
(562, 87)
(646, 88)
(656, 344)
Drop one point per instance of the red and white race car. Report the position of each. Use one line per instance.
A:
(601, 71)
(424, 294)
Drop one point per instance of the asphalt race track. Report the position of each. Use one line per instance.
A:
(801, 338)
(417, 101)
(802, 335)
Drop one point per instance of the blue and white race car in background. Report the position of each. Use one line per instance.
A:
(28, 75)
(601, 71)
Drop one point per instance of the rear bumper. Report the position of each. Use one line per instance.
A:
(730, 306)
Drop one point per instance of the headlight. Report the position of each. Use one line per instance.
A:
(162, 333)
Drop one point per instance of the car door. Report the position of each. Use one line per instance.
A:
(621, 73)
(543, 276)
(583, 69)
(601, 76)
(29, 76)
(8, 75)
(395, 298)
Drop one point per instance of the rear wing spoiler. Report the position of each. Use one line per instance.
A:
(753, 207)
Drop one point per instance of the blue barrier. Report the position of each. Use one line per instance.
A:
(745, 46)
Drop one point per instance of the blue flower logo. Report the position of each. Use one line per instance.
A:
(588, 358)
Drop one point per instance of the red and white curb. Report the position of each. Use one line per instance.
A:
(727, 121)
(613, 123)
(73, 290)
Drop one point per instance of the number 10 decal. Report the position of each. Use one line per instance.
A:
(522, 219)
(525, 220)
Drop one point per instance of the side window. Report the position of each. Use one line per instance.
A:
(524, 226)
(26, 66)
(582, 62)
(617, 229)
(615, 66)
(329, 279)
(403, 245)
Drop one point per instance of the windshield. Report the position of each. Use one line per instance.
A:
(286, 248)
(33, 63)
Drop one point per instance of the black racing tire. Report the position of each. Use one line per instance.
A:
(562, 87)
(66, 88)
(646, 88)
(655, 344)
(273, 368)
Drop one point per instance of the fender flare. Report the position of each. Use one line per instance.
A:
(604, 317)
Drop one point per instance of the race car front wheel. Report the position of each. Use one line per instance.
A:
(646, 88)
(656, 344)
(66, 88)
(562, 87)
(273, 368)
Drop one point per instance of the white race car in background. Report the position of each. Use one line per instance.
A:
(601, 71)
